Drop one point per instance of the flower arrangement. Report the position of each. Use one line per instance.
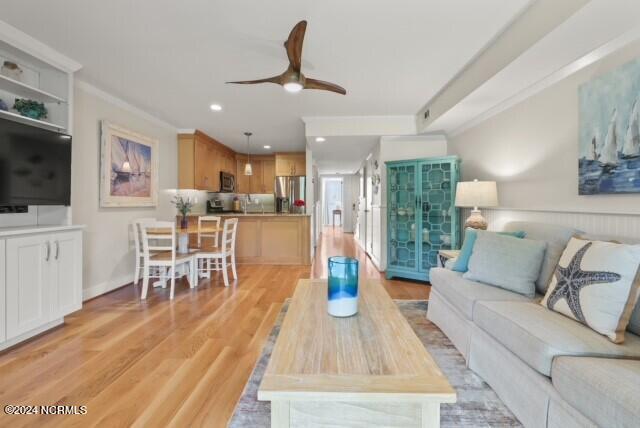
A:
(30, 108)
(184, 206)
(299, 206)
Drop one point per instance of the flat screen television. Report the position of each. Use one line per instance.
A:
(35, 165)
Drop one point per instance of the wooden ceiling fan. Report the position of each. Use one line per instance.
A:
(293, 80)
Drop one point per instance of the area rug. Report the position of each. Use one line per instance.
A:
(477, 405)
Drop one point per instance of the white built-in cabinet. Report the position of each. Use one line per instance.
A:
(41, 280)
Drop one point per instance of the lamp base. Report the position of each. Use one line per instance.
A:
(476, 221)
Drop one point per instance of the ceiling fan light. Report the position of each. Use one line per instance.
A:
(292, 87)
(247, 169)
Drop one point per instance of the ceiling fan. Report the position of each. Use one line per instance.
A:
(292, 79)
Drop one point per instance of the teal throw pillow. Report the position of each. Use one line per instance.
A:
(461, 263)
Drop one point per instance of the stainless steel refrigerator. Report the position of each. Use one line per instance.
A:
(289, 190)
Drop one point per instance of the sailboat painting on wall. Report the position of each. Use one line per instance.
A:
(129, 173)
(609, 151)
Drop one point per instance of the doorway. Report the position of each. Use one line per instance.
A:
(333, 197)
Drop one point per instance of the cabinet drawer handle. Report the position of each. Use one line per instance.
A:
(57, 250)
(48, 251)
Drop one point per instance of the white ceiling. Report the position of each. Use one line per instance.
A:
(342, 155)
(171, 58)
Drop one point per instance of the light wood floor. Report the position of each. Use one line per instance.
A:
(161, 363)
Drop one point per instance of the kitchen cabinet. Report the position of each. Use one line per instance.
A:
(268, 176)
(291, 164)
(42, 280)
(421, 215)
(263, 178)
(200, 161)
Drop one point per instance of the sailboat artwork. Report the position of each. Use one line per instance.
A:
(610, 163)
(129, 172)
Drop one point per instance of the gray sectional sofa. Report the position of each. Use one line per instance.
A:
(549, 370)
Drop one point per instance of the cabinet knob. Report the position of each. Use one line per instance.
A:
(46, 259)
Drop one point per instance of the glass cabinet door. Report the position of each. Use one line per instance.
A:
(402, 216)
(437, 212)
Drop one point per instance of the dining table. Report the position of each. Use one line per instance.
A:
(183, 238)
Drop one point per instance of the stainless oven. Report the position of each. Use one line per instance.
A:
(227, 182)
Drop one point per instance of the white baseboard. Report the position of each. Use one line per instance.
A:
(105, 287)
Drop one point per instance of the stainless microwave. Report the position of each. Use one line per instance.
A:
(227, 182)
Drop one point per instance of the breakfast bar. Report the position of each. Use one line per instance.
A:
(270, 238)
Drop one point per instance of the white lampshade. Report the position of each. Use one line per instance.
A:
(476, 194)
(248, 170)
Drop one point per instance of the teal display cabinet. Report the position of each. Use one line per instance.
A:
(421, 214)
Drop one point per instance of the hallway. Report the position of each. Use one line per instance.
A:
(333, 242)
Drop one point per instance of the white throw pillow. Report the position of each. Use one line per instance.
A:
(596, 283)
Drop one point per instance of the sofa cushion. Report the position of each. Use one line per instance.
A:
(634, 322)
(506, 262)
(605, 390)
(537, 335)
(556, 238)
(461, 263)
(463, 294)
(597, 284)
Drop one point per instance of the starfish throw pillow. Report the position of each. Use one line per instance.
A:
(596, 283)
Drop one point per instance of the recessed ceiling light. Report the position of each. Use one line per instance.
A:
(267, 147)
(320, 140)
(215, 107)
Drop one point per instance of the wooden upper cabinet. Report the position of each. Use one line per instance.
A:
(291, 164)
(263, 178)
(268, 176)
(200, 161)
(242, 181)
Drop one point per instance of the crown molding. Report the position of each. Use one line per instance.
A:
(37, 49)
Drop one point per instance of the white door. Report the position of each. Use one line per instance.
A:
(66, 273)
(3, 323)
(27, 294)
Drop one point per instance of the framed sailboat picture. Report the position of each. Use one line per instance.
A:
(609, 146)
(129, 168)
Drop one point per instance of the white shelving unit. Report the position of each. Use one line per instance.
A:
(27, 91)
(47, 77)
(35, 122)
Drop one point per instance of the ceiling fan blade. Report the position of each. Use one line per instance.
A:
(274, 79)
(325, 86)
(293, 45)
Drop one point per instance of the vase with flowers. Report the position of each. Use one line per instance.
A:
(184, 206)
(299, 206)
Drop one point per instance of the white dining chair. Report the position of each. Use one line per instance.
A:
(219, 256)
(137, 239)
(208, 220)
(210, 244)
(165, 257)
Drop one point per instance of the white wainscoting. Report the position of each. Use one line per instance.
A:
(623, 225)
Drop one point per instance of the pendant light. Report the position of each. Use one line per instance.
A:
(247, 167)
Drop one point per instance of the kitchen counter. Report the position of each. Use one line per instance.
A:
(269, 238)
(228, 214)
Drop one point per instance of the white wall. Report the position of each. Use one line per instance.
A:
(108, 252)
(531, 150)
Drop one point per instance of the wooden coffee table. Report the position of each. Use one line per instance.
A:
(367, 370)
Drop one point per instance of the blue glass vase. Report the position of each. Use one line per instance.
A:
(343, 286)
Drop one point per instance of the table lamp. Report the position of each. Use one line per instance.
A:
(474, 194)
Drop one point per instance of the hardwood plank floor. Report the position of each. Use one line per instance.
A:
(162, 363)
